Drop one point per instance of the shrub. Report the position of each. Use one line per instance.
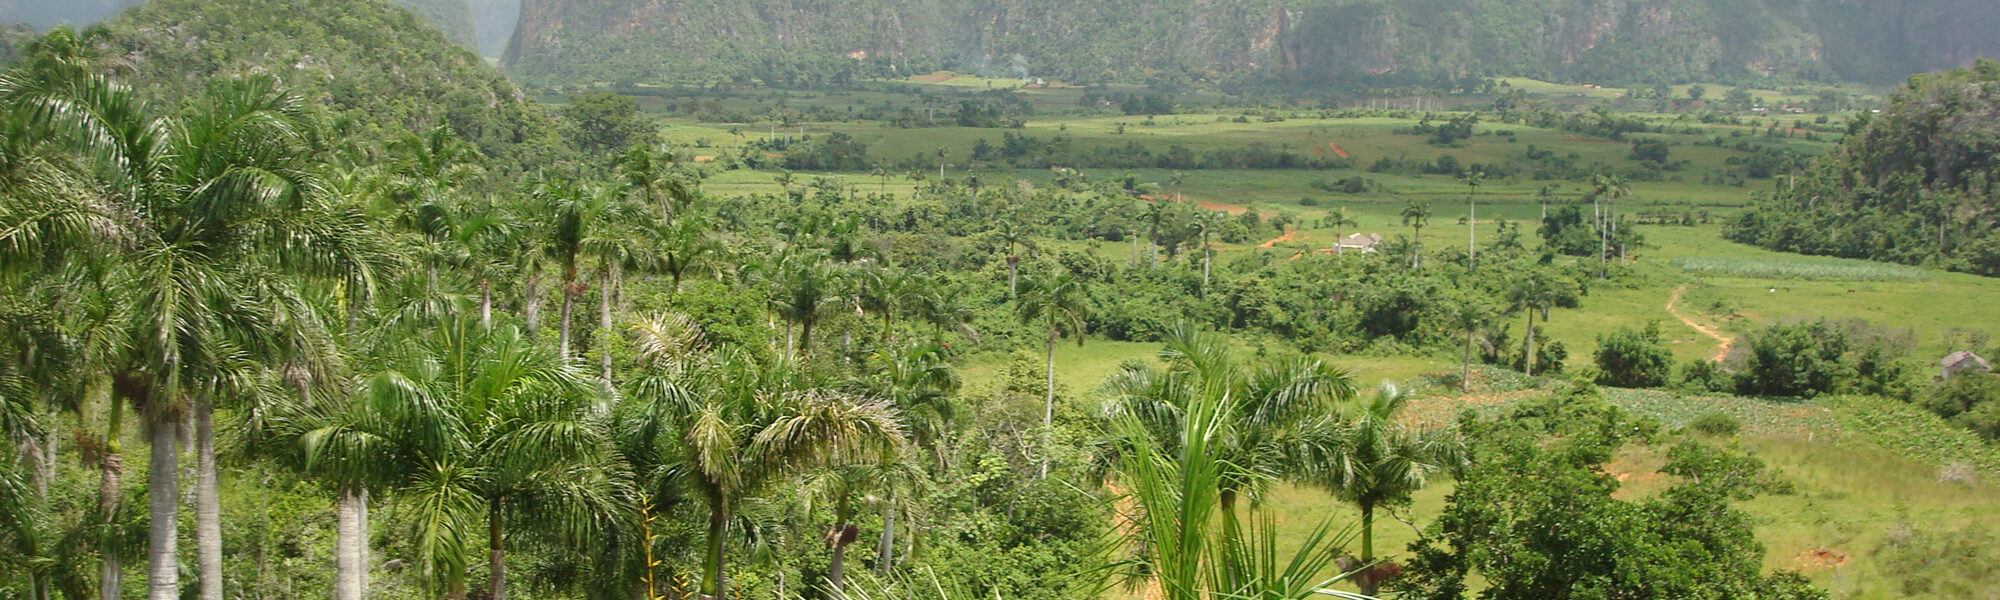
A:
(1703, 376)
(1633, 358)
(1802, 360)
(1716, 424)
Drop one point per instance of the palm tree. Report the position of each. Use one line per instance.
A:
(490, 427)
(918, 380)
(881, 289)
(1156, 214)
(685, 246)
(1177, 489)
(1605, 188)
(580, 216)
(806, 289)
(232, 218)
(647, 172)
(1013, 236)
(943, 307)
(726, 425)
(1416, 215)
(1380, 463)
(1544, 194)
(845, 489)
(1271, 428)
(1469, 317)
(1337, 219)
(1534, 292)
(1473, 180)
(1055, 300)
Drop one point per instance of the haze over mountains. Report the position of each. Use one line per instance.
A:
(1307, 42)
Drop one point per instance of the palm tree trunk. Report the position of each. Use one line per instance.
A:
(718, 527)
(110, 491)
(486, 304)
(207, 504)
(531, 302)
(1368, 584)
(1465, 378)
(496, 565)
(568, 306)
(1013, 275)
(1207, 255)
(1231, 529)
(1471, 233)
(604, 322)
(350, 537)
(1530, 366)
(1049, 404)
(805, 336)
(885, 552)
(163, 573)
(836, 570)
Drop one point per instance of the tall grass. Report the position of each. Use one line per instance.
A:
(1810, 269)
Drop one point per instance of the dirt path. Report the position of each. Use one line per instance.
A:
(1291, 235)
(1336, 150)
(1723, 343)
(1125, 520)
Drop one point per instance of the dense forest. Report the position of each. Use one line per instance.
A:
(1915, 183)
(1311, 44)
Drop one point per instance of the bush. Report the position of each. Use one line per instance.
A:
(1716, 424)
(1800, 360)
(1703, 376)
(1631, 358)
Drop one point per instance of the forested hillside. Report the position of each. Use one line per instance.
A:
(1917, 183)
(376, 65)
(453, 16)
(1310, 43)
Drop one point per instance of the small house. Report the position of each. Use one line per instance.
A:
(1963, 360)
(1360, 242)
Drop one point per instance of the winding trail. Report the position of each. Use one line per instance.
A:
(1291, 235)
(1723, 343)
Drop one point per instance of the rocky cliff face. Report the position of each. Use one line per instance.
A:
(1306, 40)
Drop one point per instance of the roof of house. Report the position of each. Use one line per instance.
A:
(1965, 359)
(1359, 240)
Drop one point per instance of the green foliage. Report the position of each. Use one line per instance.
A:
(1907, 185)
(1808, 269)
(607, 122)
(378, 69)
(1535, 517)
(1798, 360)
(1719, 424)
(1633, 358)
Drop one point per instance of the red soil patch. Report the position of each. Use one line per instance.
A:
(701, 158)
(1822, 558)
(938, 77)
(1291, 235)
(1336, 150)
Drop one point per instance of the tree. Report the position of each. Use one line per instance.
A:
(805, 288)
(726, 425)
(1013, 236)
(1055, 300)
(1338, 219)
(1696, 91)
(583, 220)
(496, 429)
(1633, 358)
(1416, 215)
(685, 246)
(1274, 427)
(881, 290)
(1799, 360)
(1378, 463)
(209, 295)
(1536, 291)
(606, 121)
(1469, 318)
(1605, 188)
(1472, 179)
